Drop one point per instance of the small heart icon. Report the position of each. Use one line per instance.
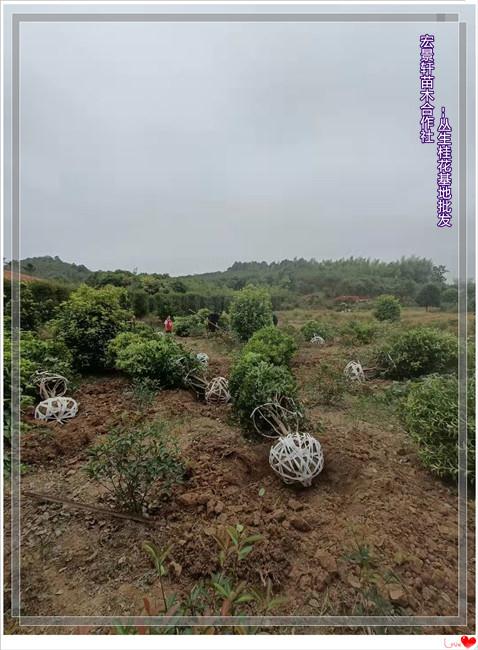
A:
(468, 641)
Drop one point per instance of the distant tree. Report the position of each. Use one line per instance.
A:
(429, 296)
(450, 295)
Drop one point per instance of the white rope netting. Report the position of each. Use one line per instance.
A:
(217, 391)
(49, 384)
(297, 458)
(354, 371)
(203, 358)
(318, 340)
(276, 418)
(56, 408)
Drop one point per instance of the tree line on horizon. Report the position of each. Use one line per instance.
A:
(291, 283)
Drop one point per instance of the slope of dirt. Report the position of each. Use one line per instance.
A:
(373, 495)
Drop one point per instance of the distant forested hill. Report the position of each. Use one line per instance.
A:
(53, 268)
(330, 278)
(291, 283)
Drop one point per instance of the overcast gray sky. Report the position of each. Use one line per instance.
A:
(181, 148)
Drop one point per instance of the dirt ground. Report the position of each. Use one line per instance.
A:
(372, 494)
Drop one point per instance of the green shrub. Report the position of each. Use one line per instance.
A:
(258, 382)
(138, 333)
(129, 462)
(189, 325)
(239, 370)
(250, 310)
(163, 360)
(430, 414)
(273, 345)
(387, 308)
(35, 354)
(89, 320)
(418, 351)
(317, 328)
(357, 332)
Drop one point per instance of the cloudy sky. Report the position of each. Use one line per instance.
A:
(182, 147)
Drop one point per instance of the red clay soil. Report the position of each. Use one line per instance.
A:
(372, 493)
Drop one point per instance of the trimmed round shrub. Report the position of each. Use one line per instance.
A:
(387, 308)
(319, 328)
(430, 415)
(240, 369)
(418, 351)
(162, 360)
(250, 310)
(123, 339)
(88, 321)
(273, 345)
(259, 382)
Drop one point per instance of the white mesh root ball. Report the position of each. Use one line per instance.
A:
(297, 458)
(203, 358)
(217, 391)
(354, 371)
(318, 340)
(50, 385)
(56, 408)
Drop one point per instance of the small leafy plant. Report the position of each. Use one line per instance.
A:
(129, 462)
(235, 545)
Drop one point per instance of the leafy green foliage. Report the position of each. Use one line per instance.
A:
(39, 302)
(273, 345)
(387, 308)
(319, 328)
(254, 382)
(250, 310)
(89, 320)
(161, 359)
(193, 325)
(130, 461)
(35, 354)
(235, 545)
(430, 414)
(357, 332)
(418, 351)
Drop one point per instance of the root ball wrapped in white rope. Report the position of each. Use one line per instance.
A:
(56, 408)
(217, 391)
(203, 358)
(297, 458)
(354, 371)
(50, 384)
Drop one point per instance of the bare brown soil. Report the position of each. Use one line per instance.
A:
(372, 493)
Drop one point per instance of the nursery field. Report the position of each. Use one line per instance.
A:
(375, 533)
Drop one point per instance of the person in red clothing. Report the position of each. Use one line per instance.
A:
(168, 325)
